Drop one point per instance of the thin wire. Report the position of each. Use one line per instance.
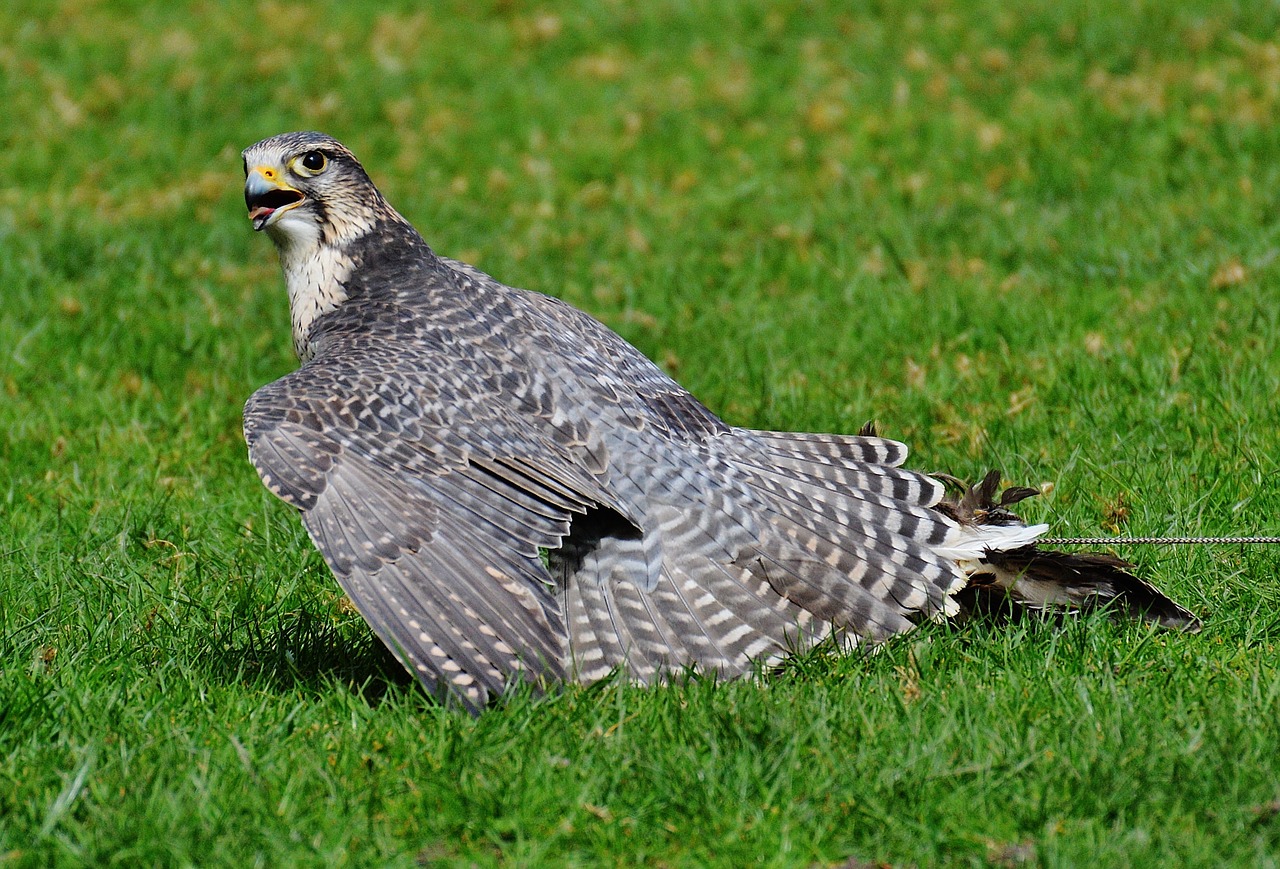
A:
(1157, 541)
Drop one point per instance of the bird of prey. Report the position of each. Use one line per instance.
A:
(508, 491)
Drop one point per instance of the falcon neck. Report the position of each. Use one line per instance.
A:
(325, 274)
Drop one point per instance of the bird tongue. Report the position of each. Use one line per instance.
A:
(259, 216)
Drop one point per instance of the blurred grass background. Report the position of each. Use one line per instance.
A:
(1041, 239)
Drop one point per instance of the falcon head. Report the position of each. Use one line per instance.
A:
(307, 188)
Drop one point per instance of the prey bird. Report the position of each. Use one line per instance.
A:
(508, 491)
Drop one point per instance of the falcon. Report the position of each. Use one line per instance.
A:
(510, 492)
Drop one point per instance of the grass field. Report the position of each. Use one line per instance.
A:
(1043, 241)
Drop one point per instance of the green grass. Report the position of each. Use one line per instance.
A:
(1041, 240)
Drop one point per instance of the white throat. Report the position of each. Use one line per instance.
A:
(315, 274)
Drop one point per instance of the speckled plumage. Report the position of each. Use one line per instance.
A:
(446, 432)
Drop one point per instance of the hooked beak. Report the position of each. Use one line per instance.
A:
(267, 197)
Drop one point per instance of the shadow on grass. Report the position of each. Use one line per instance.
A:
(302, 650)
(307, 651)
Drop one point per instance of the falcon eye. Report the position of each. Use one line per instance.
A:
(313, 161)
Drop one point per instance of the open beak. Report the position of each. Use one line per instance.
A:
(267, 197)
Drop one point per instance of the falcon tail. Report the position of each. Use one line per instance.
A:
(1013, 581)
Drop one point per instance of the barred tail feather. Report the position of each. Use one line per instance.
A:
(854, 537)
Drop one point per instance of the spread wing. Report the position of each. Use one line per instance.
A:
(431, 516)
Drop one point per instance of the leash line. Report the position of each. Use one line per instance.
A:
(1157, 541)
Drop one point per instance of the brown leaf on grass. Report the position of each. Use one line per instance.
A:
(994, 59)
(604, 66)
(601, 812)
(593, 194)
(825, 115)
(131, 383)
(1011, 854)
(497, 181)
(1115, 513)
(908, 683)
(537, 29)
(1265, 811)
(1021, 400)
(916, 59)
(916, 374)
(637, 240)
(1229, 274)
(990, 136)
